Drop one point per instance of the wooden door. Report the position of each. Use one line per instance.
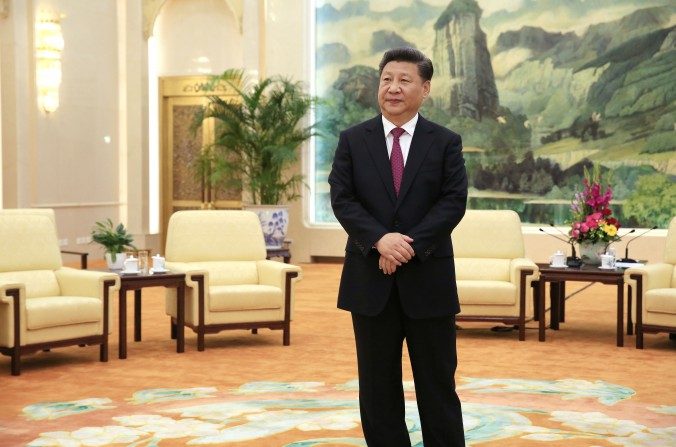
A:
(182, 189)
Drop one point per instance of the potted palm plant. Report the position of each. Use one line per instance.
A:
(258, 138)
(115, 240)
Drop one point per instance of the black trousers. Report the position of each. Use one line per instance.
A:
(431, 348)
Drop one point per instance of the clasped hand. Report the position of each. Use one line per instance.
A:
(395, 249)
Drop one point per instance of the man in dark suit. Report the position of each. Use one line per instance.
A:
(398, 278)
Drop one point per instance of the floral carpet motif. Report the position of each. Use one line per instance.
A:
(320, 414)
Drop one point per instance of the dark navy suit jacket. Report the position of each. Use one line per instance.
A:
(431, 202)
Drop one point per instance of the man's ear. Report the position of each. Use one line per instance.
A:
(427, 86)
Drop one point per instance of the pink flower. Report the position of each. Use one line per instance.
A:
(591, 213)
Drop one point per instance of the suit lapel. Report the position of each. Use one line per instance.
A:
(420, 146)
(375, 143)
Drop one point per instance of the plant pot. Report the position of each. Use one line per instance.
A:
(119, 261)
(591, 252)
(274, 223)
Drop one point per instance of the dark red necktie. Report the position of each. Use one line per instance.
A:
(397, 159)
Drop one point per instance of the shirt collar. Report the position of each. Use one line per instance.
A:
(409, 127)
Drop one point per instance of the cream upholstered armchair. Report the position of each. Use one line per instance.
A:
(42, 304)
(492, 274)
(230, 283)
(655, 286)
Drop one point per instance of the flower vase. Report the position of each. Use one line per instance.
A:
(118, 263)
(590, 252)
(274, 222)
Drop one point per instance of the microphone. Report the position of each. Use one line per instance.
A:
(573, 260)
(626, 248)
(555, 237)
(572, 244)
(626, 234)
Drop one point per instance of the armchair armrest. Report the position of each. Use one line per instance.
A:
(518, 265)
(85, 282)
(273, 273)
(83, 257)
(7, 291)
(655, 276)
(190, 271)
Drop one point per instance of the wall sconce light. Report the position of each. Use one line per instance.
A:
(48, 49)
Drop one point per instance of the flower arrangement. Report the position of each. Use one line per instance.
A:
(592, 219)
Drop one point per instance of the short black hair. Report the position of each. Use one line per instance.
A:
(408, 54)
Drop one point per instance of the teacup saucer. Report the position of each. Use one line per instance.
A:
(558, 266)
(152, 270)
(130, 272)
(606, 268)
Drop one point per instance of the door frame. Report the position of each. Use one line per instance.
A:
(186, 90)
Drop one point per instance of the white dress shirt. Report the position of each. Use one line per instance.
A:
(404, 139)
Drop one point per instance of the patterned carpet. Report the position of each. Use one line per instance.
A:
(303, 414)
(577, 389)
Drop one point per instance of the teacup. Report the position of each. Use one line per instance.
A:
(558, 259)
(607, 261)
(158, 263)
(131, 264)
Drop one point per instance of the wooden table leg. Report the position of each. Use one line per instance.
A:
(620, 312)
(180, 318)
(541, 310)
(123, 324)
(535, 286)
(137, 315)
(200, 311)
(630, 323)
(562, 294)
(555, 302)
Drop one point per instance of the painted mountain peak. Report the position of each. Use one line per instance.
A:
(458, 8)
(463, 64)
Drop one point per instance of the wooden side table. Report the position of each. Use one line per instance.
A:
(136, 282)
(283, 253)
(559, 276)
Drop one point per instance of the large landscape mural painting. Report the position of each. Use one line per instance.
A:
(538, 89)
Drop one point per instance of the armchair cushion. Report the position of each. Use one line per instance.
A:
(491, 293)
(482, 269)
(53, 311)
(245, 297)
(661, 301)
